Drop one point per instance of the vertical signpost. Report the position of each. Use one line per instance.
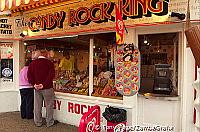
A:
(127, 77)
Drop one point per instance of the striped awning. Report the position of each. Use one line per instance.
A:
(22, 5)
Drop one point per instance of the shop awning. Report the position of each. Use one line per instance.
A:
(23, 5)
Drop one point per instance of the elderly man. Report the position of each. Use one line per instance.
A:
(40, 74)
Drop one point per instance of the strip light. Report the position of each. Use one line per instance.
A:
(63, 37)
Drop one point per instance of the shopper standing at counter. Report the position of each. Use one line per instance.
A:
(26, 92)
(40, 74)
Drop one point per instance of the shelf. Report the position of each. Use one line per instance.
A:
(110, 97)
(71, 92)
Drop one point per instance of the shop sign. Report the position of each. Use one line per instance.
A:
(78, 108)
(102, 12)
(74, 108)
(97, 13)
(5, 27)
(20, 22)
(91, 15)
(48, 22)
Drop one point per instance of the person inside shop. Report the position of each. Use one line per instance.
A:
(67, 62)
(26, 93)
(40, 74)
(35, 54)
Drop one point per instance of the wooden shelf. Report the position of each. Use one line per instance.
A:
(71, 92)
(110, 97)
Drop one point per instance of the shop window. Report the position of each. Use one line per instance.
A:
(6, 61)
(71, 59)
(159, 63)
(103, 62)
(70, 56)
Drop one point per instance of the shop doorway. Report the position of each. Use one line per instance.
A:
(159, 63)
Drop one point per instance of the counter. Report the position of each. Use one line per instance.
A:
(171, 97)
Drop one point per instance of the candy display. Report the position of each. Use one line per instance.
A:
(72, 83)
(105, 85)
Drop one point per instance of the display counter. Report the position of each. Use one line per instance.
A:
(170, 97)
(69, 108)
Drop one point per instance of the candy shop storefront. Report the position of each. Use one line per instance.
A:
(163, 68)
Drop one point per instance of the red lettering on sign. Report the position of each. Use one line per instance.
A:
(82, 109)
(58, 104)
(159, 8)
(49, 21)
(70, 107)
(54, 104)
(94, 9)
(77, 108)
(72, 20)
(129, 8)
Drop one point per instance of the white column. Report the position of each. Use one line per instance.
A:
(91, 67)
(131, 37)
(196, 85)
(187, 91)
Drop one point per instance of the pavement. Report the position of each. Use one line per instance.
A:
(12, 122)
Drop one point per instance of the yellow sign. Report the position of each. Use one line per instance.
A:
(94, 15)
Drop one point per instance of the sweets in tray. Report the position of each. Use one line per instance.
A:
(104, 85)
(71, 83)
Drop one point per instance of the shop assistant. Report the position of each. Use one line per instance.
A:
(67, 62)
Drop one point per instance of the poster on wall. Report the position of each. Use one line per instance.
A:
(6, 59)
(7, 70)
(6, 27)
(127, 69)
(6, 50)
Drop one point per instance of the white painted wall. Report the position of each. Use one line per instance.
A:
(131, 100)
(65, 116)
(187, 92)
(159, 112)
(9, 94)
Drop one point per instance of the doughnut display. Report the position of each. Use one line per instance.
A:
(135, 70)
(120, 69)
(127, 69)
(135, 61)
(135, 79)
(127, 66)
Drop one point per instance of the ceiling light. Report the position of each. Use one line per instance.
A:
(145, 41)
(63, 37)
(25, 32)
